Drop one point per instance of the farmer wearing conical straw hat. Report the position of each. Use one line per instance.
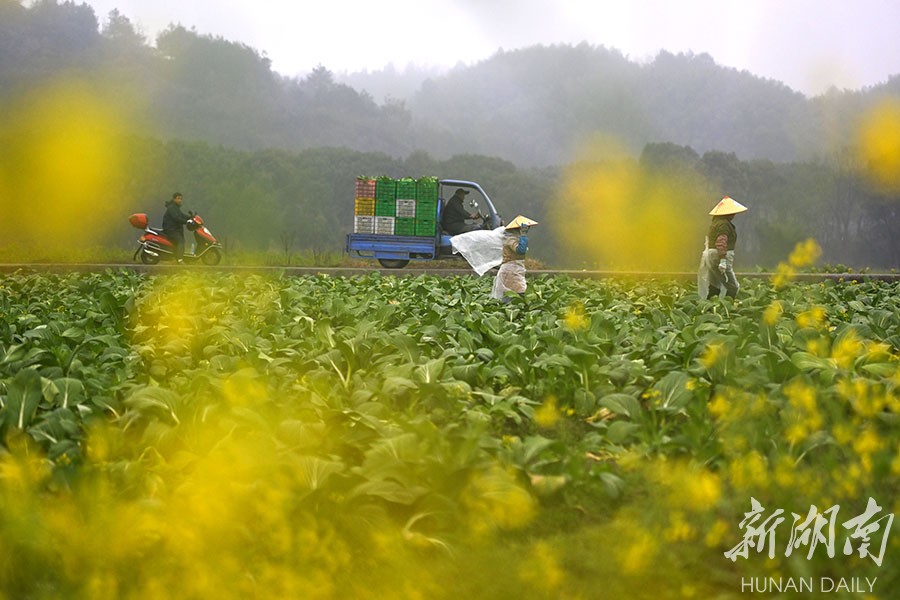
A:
(511, 275)
(717, 261)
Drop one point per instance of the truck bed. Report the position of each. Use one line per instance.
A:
(399, 247)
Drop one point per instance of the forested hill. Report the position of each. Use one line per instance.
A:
(531, 106)
(534, 105)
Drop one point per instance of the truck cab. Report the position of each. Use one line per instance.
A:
(396, 251)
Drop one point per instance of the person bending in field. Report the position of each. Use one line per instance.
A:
(511, 275)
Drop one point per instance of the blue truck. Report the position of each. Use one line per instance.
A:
(395, 251)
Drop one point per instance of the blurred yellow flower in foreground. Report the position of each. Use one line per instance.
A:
(847, 349)
(574, 319)
(879, 145)
(805, 254)
(712, 354)
(773, 312)
(638, 552)
(547, 414)
(749, 473)
(814, 318)
(495, 500)
(802, 416)
(542, 568)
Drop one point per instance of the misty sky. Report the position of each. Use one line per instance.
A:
(807, 44)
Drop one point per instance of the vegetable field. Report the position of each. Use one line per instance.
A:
(206, 435)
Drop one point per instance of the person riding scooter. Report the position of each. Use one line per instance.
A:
(173, 224)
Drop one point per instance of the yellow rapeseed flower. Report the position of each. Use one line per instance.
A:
(785, 473)
(867, 443)
(848, 479)
(542, 568)
(814, 318)
(784, 274)
(639, 552)
(843, 433)
(679, 530)
(575, 319)
(244, 389)
(704, 490)
(495, 500)
(866, 398)
(802, 415)
(760, 405)
(717, 533)
(796, 433)
(692, 488)
(801, 396)
(712, 354)
(895, 465)
(773, 312)
(877, 351)
(547, 414)
(820, 346)
(719, 406)
(847, 349)
(749, 473)
(804, 254)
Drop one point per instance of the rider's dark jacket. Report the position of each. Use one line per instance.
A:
(174, 220)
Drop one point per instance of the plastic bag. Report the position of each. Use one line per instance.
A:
(703, 275)
(482, 249)
(510, 278)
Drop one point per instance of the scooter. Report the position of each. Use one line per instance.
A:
(153, 246)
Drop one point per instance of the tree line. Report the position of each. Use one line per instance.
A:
(268, 158)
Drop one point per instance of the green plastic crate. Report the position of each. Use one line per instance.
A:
(425, 227)
(385, 208)
(406, 188)
(385, 189)
(404, 226)
(426, 209)
(427, 189)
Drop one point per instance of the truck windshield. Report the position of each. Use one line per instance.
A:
(473, 202)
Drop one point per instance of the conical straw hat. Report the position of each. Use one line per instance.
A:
(519, 221)
(728, 206)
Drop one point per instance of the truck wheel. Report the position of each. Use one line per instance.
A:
(393, 263)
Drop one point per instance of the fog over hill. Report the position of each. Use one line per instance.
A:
(534, 106)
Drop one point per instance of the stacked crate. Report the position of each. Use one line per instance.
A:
(364, 206)
(405, 206)
(384, 225)
(385, 197)
(385, 205)
(405, 223)
(426, 205)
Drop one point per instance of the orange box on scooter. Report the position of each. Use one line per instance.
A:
(138, 220)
